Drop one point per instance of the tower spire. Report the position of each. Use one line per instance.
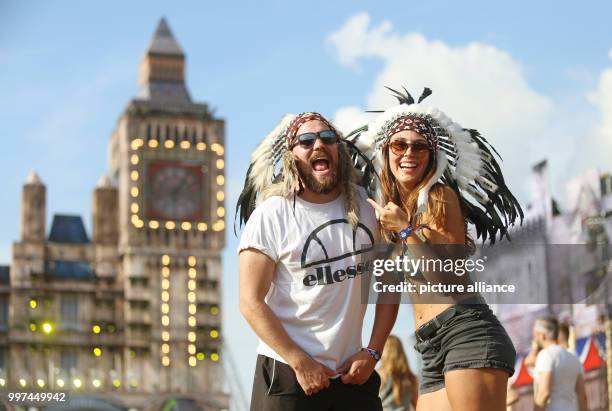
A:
(162, 69)
(163, 41)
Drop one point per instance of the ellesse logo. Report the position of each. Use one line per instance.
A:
(326, 237)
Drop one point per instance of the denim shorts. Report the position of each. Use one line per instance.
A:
(461, 337)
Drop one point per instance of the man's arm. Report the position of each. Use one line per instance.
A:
(542, 393)
(256, 272)
(358, 368)
(581, 393)
(530, 359)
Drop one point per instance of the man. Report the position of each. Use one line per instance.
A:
(558, 379)
(563, 341)
(302, 254)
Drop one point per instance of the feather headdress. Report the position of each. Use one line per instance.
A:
(464, 160)
(273, 170)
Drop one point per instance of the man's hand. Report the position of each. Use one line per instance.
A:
(312, 375)
(357, 369)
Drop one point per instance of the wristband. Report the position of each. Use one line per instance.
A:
(373, 353)
(408, 231)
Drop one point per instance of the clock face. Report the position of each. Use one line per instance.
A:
(174, 191)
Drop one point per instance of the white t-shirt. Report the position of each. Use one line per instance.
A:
(316, 288)
(565, 368)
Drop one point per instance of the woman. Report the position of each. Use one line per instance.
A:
(435, 176)
(398, 387)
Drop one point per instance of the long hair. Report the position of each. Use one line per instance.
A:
(436, 205)
(292, 184)
(394, 365)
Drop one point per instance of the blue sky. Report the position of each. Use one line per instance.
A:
(534, 77)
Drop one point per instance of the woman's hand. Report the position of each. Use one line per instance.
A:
(391, 217)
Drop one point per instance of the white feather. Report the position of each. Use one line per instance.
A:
(424, 192)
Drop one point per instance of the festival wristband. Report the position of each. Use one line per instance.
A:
(373, 353)
(408, 231)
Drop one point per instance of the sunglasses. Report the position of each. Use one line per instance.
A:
(399, 147)
(327, 137)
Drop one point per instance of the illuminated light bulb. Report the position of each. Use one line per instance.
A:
(134, 159)
(192, 362)
(220, 180)
(165, 361)
(220, 164)
(214, 333)
(134, 208)
(220, 196)
(153, 143)
(134, 175)
(165, 259)
(169, 144)
(191, 261)
(202, 226)
(154, 224)
(201, 146)
(170, 225)
(134, 191)
(47, 327)
(221, 212)
(137, 143)
(185, 225)
(185, 144)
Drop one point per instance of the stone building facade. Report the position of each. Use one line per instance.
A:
(131, 315)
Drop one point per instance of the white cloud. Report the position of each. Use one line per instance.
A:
(595, 149)
(478, 85)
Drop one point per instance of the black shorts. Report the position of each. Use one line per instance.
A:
(275, 388)
(463, 336)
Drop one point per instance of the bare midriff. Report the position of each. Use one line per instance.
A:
(425, 312)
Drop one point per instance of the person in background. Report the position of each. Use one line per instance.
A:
(558, 377)
(562, 340)
(399, 386)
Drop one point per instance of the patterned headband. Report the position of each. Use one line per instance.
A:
(414, 123)
(300, 119)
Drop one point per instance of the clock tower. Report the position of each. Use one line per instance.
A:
(166, 154)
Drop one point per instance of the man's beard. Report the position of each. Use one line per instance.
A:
(321, 185)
